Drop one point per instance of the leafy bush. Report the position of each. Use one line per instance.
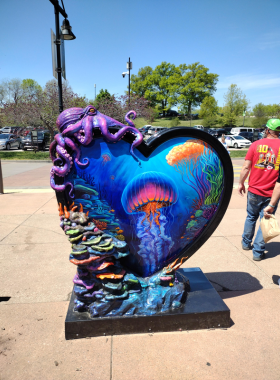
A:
(174, 122)
(229, 119)
(257, 122)
(210, 121)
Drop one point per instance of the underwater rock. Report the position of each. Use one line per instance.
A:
(198, 213)
(191, 224)
(151, 300)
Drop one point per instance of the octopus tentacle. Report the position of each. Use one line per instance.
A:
(77, 151)
(62, 171)
(79, 123)
(87, 127)
(60, 187)
(128, 120)
(60, 140)
(53, 150)
(73, 128)
(100, 121)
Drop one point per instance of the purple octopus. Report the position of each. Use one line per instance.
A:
(76, 126)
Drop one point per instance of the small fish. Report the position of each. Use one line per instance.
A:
(112, 211)
(120, 232)
(192, 216)
(182, 237)
(117, 228)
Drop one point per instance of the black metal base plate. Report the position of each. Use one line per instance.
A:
(203, 309)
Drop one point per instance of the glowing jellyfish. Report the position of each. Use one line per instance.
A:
(147, 196)
(184, 158)
(106, 158)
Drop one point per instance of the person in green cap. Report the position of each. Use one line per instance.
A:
(262, 162)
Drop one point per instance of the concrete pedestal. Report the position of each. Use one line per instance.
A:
(203, 309)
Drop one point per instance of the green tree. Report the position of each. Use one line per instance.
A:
(272, 110)
(157, 86)
(44, 110)
(193, 84)
(258, 122)
(138, 83)
(209, 107)
(30, 89)
(235, 101)
(260, 110)
(229, 119)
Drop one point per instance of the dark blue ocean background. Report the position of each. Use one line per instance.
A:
(110, 169)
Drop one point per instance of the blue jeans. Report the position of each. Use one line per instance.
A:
(255, 205)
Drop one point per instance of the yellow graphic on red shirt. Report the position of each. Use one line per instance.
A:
(266, 158)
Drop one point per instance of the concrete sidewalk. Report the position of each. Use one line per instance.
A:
(37, 276)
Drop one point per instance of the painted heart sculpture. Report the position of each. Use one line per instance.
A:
(161, 202)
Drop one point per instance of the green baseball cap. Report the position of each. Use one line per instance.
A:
(273, 124)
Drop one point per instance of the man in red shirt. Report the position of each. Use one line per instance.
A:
(263, 160)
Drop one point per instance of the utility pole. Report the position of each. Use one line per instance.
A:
(129, 67)
(58, 42)
(95, 91)
(65, 34)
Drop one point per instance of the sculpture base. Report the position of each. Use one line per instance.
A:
(203, 309)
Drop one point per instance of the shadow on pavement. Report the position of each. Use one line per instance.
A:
(272, 249)
(235, 282)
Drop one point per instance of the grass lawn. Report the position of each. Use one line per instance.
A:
(28, 155)
(238, 153)
(165, 122)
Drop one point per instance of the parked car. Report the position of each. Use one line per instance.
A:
(145, 128)
(247, 135)
(171, 113)
(9, 141)
(236, 131)
(236, 141)
(9, 130)
(37, 139)
(211, 131)
(158, 130)
(219, 132)
(199, 127)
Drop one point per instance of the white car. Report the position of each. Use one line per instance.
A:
(199, 127)
(237, 142)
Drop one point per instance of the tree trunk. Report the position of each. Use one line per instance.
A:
(190, 112)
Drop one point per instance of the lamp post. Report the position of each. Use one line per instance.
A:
(66, 34)
(94, 91)
(129, 67)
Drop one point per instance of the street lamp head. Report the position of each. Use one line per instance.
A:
(66, 31)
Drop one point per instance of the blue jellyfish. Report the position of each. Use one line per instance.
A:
(147, 196)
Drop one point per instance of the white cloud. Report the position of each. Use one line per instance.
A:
(250, 81)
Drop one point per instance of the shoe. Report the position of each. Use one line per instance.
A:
(259, 258)
(246, 247)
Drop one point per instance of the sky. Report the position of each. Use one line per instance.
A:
(238, 40)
